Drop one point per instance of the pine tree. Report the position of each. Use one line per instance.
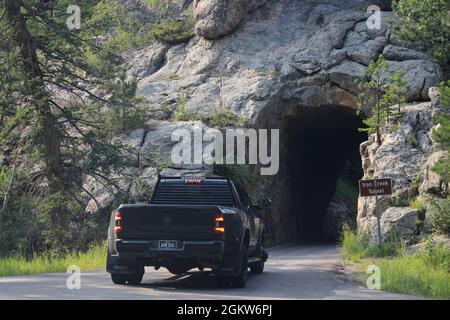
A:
(427, 22)
(371, 97)
(44, 63)
(396, 93)
(379, 95)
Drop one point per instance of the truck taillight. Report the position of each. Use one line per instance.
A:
(118, 223)
(219, 224)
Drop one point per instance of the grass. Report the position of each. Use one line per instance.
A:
(413, 275)
(426, 273)
(92, 259)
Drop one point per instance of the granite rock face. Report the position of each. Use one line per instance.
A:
(248, 53)
(406, 155)
(256, 57)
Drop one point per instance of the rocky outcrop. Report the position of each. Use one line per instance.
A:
(400, 223)
(148, 153)
(216, 18)
(281, 50)
(336, 217)
(406, 155)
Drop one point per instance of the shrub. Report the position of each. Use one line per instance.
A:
(424, 21)
(173, 31)
(439, 215)
(356, 247)
(353, 246)
(436, 255)
(418, 204)
(55, 212)
(180, 113)
(223, 117)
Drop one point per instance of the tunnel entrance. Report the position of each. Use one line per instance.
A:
(321, 155)
(320, 165)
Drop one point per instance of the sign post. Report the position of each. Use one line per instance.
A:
(375, 188)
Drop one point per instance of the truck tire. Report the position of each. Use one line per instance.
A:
(240, 280)
(134, 278)
(118, 278)
(257, 267)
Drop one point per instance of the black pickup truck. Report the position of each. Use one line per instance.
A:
(190, 222)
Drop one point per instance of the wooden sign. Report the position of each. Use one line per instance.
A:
(375, 187)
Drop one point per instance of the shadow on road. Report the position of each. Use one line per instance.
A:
(190, 280)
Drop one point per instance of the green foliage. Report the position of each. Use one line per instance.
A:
(353, 246)
(418, 204)
(426, 273)
(160, 7)
(93, 258)
(412, 140)
(442, 134)
(65, 140)
(55, 212)
(396, 92)
(439, 215)
(414, 275)
(426, 21)
(378, 94)
(357, 247)
(436, 255)
(181, 113)
(222, 117)
(172, 30)
(126, 111)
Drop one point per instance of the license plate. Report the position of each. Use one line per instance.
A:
(167, 244)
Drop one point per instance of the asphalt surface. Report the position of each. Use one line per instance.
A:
(292, 272)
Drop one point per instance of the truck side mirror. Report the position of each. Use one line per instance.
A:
(264, 203)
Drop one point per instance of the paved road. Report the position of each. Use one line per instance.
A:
(292, 272)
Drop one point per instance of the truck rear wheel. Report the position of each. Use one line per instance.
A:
(118, 278)
(135, 278)
(240, 280)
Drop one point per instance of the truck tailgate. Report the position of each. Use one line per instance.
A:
(168, 222)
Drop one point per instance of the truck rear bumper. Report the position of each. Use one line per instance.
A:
(147, 252)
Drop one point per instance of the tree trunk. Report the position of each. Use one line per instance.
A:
(7, 194)
(48, 126)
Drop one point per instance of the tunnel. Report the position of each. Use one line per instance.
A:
(319, 156)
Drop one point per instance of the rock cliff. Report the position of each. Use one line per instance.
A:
(267, 61)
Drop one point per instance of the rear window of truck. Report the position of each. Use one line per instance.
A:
(204, 192)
